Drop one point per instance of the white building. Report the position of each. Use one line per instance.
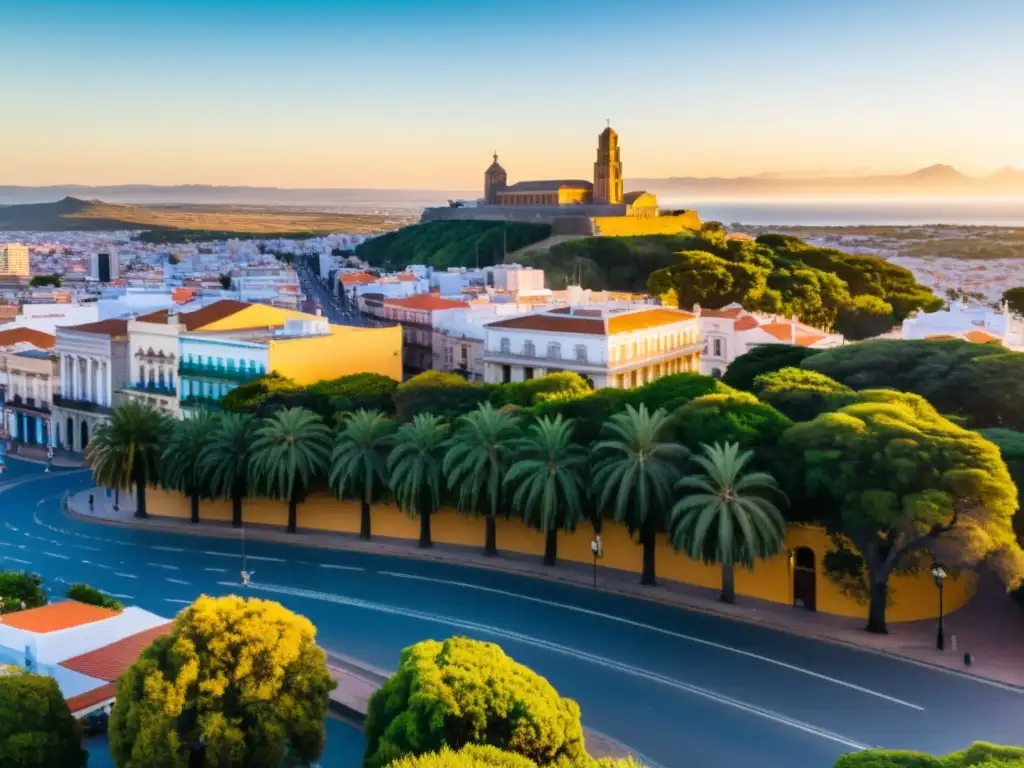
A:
(978, 324)
(93, 364)
(153, 361)
(28, 383)
(515, 278)
(47, 317)
(14, 260)
(730, 332)
(611, 348)
(105, 266)
(213, 364)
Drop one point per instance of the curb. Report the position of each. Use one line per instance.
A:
(413, 554)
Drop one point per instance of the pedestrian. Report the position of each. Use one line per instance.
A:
(90, 502)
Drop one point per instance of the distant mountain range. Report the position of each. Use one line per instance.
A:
(933, 181)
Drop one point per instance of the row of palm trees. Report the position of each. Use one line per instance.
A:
(712, 506)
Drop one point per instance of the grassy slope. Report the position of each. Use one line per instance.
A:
(72, 214)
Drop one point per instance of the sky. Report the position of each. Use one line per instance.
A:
(419, 93)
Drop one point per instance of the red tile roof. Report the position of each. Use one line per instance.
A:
(57, 616)
(29, 335)
(784, 332)
(360, 278)
(108, 662)
(113, 327)
(91, 698)
(425, 301)
(555, 323)
(211, 313)
(728, 314)
(980, 337)
(746, 323)
(647, 318)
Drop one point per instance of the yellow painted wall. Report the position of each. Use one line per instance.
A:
(567, 196)
(257, 316)
(345, 351)
(914, 597)
(626, 226)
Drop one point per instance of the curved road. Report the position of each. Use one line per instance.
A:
(680, 688)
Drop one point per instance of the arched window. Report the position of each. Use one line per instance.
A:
(554, 350)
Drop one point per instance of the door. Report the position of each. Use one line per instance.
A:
(804, 579)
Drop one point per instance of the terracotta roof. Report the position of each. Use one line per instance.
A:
(357, 279)
(939, 336)
(746, 323)
(27, 335)
(980, 337)
(425, 301)
(113, 327)
(631, 197)
(108, 662)
(784, 332)
(406, 277)
(160, 316)
(57, 616)
(728, 314)
(91, 698)
(211, 313)
(544, 321)
(648, 318)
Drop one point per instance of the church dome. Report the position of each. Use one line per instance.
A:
(495, 167)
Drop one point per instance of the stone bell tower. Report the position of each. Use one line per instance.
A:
(608, 169)
(495, 179)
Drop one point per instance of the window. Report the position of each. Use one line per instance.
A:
(528, 349)
(554, 350)
(465, 354)
(506, 374)
(506, 345)
(718, 348)
(527, 373)
(581, 353)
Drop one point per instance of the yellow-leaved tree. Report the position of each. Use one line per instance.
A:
(236, 683)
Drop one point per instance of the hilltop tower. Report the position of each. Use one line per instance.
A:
(608, 169)
(495, 180)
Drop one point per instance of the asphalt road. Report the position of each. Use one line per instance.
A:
(681, 688)
(336, 313)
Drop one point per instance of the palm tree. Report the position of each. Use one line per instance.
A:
(291, 450)
(726, 516)
(476, 464)
(415, 467)
(127, 450)
(224, 460)
(359, 461)
(180, 465)
(636, 466)
(548, 477)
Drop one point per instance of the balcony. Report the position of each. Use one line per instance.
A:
(27, 405)
(210, 402)
(162, 390)
(198, 371)
(86, 406)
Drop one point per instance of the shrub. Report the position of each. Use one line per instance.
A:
(477, 756)
(369, 391)
(447, 395)
(83, 593)
(36, 727)
(766, 358)
(671, 392)
(463, 691)
(978, 755)
(982, 754)
(553, 388)
(249, 397)
(737, 418)
(802, 395)
(20, 590)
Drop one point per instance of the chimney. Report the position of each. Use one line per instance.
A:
(792, 329)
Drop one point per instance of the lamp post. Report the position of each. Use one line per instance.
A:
(597, 549)
(940, 576)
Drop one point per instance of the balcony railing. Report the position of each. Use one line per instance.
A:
(150, 389)
(201, 401)
(29, 404)
(197, 371)
(79, 405)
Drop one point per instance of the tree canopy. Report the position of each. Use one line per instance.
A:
(738, 418)
(463, 691)
(978, 755)
(446, 395)
(1014, 297)
(801, 394)
(240, 682)
(36, 727)
(483, 756)
(20, 590)
(765, 358)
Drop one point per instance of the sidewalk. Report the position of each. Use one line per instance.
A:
(36, 454)
(990, 626)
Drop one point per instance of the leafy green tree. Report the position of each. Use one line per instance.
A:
(258, 701)
(254, 396)
(800, 394)
(415, 464)
(463, 691)
(547, 479)
(181, 469)
(671, 392)
(1011, 448)
(732, 418)
(703, 278)
(477, 462)
(226, 457)
(636, 465)
(20, 590)
(995, 388)
(83, 593)
(978, 755)
(36, 727)
(1014, 297)
(555, 387)
(726, 516)
(765, 358)
(127, 450)
(41, 281)
(447, 395)
(588, 414)
(291, 451)
(359, 461)
(866, 316)
(896, 479)
(483, 756)
(358, 391)
(225, 282)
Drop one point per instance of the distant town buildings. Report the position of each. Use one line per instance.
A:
(14, 260)
(105, 267)
(981, 325)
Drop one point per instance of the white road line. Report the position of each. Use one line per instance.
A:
(168, 549)
(617, 666)
(662, 631)
(98, 565)
(59, 557)
(164, 566)
(16, 560)
(178, 581)
(178, 602)
(120, 596)
(122, 543)
(86, 548)
(266, 559)
(216, 570)
(341, 567)
(221, 554)
(125, 575)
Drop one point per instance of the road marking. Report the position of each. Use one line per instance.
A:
(16, 560)
(216, 570)
(341, 567)
(178, 581)
(178, 602)
(266, 559)
(59, 557)
(86, 548)
(220, 554)
(618, 666)
(120, 596)
(125, 575)
(662, 631)
(98, 565)
(165, 567)
(123, 543)
(168, 549)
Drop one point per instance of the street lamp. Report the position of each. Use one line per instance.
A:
(940, 576)
(597, 550)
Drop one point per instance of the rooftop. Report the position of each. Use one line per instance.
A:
(425, 301)
(108, 662)
(594, 321)
(56, 616)
(113, 327)
(27, 336)
(200, 317)
(548, 185)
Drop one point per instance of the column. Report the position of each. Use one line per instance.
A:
(39, 430)
(90, 395)
(103, 374)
